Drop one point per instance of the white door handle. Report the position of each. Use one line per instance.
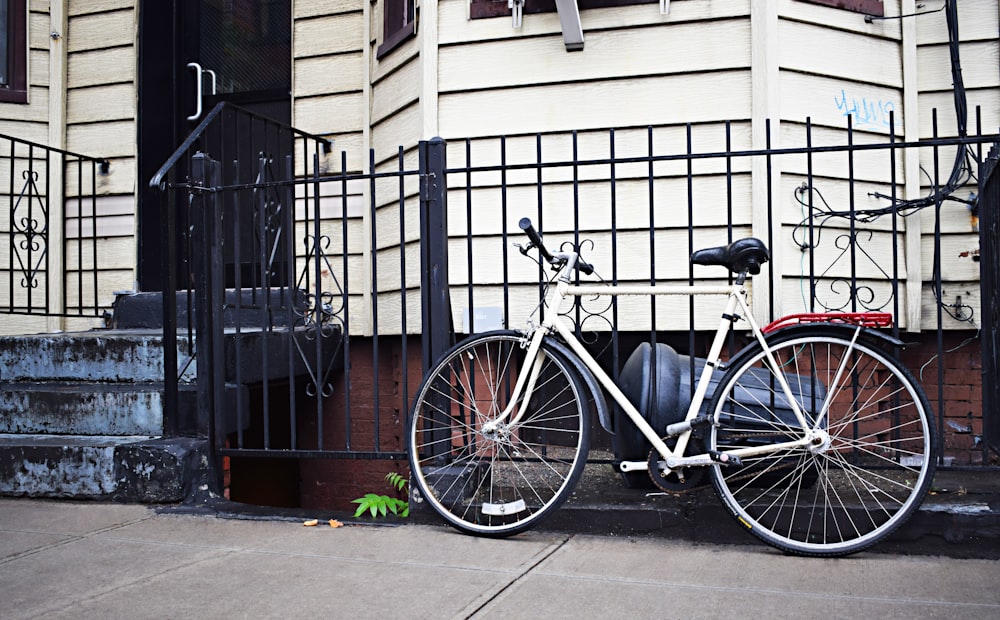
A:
(199, 76)
(197, 90)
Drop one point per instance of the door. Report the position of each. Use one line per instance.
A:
(194, 54)
(237, 51)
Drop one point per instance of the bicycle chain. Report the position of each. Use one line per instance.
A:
(682, 489)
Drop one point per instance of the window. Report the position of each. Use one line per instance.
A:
(868, 7)
(13, 51)
(398, 24)
(496, 8)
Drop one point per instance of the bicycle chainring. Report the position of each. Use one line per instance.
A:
(678, 481)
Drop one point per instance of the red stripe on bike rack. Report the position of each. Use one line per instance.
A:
(866, 319)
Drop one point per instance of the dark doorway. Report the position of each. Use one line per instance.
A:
(194, 54)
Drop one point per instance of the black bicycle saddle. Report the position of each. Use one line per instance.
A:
(741, 255)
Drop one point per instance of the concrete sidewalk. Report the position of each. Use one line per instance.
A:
(88, 560)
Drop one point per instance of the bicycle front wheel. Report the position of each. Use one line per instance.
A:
(490, 476)
(866, 470)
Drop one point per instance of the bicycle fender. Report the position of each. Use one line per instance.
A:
(570, 358)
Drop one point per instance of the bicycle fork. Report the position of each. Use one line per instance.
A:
(523, 388)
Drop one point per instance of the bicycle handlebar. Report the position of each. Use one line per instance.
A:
(536, 241)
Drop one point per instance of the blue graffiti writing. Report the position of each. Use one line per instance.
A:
(867, 112)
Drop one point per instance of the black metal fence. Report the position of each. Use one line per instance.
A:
(49, 231)
(989, 209)
(313, 342)
(232, 282)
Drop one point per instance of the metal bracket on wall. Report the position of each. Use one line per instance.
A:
(516, 11)
(572, 29)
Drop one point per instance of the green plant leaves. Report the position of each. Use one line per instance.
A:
(397, 481)
(382, 505)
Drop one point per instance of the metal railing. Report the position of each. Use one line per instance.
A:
(230, 264)
(49, 231)
(989, 178)
(313, 343)
(847, 233)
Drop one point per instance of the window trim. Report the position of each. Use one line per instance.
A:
(868, 7)
(17, 53)
(482, 9)
(393, 34)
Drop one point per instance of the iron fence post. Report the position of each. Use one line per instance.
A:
(208, 286)
(435, 300)
(435, 297)
(173, 424)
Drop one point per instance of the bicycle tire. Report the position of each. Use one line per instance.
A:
(497, 484)
(869, 474)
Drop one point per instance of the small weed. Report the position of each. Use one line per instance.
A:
(381, 505)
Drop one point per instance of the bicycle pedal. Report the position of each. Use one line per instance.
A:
(684, 426)
(723, 458)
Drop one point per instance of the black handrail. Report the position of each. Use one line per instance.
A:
(34, 171)
(157, 181)
(105, 165)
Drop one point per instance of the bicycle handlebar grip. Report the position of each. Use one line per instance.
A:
(533, 235)
(584, 266)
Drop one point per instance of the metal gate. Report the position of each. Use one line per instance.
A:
(287, 360)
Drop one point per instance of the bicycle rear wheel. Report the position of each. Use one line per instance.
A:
(870, 466)
(497, 482)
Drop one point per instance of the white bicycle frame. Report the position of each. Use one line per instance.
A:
(673, 457)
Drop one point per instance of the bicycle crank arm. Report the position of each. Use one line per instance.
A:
(704, 460)
(701, 460)
(627, 466)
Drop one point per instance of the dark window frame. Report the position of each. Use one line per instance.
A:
(399, 24)
(481, 9)
(16, 40)
(868, 7)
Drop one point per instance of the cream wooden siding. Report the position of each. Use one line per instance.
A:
(101, 104)
(328, 84)
(27, 122)
(91, 111)
(481, 79)
(396, 112)
(494, 80)
(979, 23)
(832, 66)
(638, 69)
(328, 95)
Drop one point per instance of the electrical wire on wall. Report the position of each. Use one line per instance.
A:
(963, 172)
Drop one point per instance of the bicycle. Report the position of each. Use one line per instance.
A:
(817, 440)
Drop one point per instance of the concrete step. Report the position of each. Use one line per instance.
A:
(129, 356)
(126, 469)
(247, 307)
(81, 408)
(962, 511)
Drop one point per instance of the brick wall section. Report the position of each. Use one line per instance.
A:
(333, 483)
(961, 411)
